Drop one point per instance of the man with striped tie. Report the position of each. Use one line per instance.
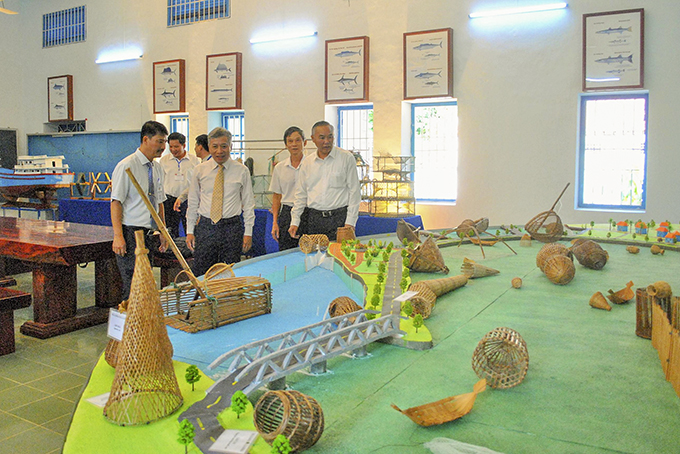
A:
(128, 211)
(219, 193)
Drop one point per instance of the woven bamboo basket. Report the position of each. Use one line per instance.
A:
(659, 289)
(474, 270)
(444, 410)
(144, 387)
(111, 352)
(424, 292)
(550, 249)
(622, 296)
(311, 243)
(590, 254)
(345, 233)
(428, 258)
(342, 305)
(421, 306)
(446, 284)
(598, 301)
(291, 413)
(408, 231)
(643, 314)
(633, 249)
(501, 357)
(559, 269)
(545, 227)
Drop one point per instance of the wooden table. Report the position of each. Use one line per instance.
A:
(53, 249)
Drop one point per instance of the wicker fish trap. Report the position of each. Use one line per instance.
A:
(428, 258)
(548, 250)
(408, 231)
(473, 270)
(342, 305)
(111, 352)
(421, 306)
(311, 243)
(545, 227)
(444, 410)
(643, 314)
(446, 284)
(501, 357)
(291, 413)
(424, 292)
(144, 387)
(590, 254)
(344, 233)
(559, 269)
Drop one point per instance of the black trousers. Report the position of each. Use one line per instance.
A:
(217, 243)
(126, 264)
(174, 218)
(285, 240)
(325, 222)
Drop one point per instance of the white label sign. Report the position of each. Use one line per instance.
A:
(116, 324)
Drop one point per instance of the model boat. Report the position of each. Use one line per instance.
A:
(36, 177)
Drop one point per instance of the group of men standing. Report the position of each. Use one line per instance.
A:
(212, 195)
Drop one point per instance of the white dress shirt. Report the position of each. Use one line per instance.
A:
(328, 184)
(135, 212)
(177, 172)
(284, 178)
(238, 194)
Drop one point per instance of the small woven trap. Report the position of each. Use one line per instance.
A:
(342, 305)
(547, 226)
(501, 357)
(291, 413)
(311, 243)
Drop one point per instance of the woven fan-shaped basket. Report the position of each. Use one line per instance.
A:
(408, 231)
(501, 357)
(345, 233)
(590, 254)
(548, 250)
(310, 243)
(342, 305)
(559, 269)
(428, 258)
(424, 292)
(291, 413)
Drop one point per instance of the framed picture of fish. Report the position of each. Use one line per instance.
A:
(168, 87)
(428, 64)
(223, 81)
(613, 50)
(347, 70)
(60, 98)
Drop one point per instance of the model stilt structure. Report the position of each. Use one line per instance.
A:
(145, 387)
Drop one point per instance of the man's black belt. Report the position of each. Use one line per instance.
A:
(326, 213)
(230, 220)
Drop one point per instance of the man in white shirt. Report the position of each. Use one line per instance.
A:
(282, 185)
(215, 231)
(128, 211)
(328, 187)
(177, 168)
(202, 153)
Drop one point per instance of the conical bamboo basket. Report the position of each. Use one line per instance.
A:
(598, 301)
(421, 306)
(424, 292)
(446, 284)
(472, 269)
(428, 258)
(144, 387)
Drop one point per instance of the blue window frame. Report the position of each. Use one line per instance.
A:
(355, 130)
(612, 155)
(234, 122)
(67, 26)
(184, 12)
(434, 145)
(180, 123)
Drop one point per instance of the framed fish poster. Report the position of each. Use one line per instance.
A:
(60, 98)
(428, 64)
(613, 50)
(223, 81)
(168, 87)
(347, 70)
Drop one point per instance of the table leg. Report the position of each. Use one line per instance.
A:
(108, 285)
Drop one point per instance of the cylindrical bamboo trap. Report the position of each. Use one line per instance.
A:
(501, 357)
(550, 249)
(344, 233)
(643, 314)
(421, 306)
(559, 269)
(291, 413)
(342, 305)
(424, 292)
(590, 254)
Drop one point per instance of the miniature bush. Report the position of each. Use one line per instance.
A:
(382, 267)
(403, 284)
(404, 241)
(389, 248)
(192, 375)
(609, 234)
(646, 237)
(280, 445)
(375, 300)
(380, 278)
(404, 253)
(385, 256)
(369, 260)
(376, 289)
(239, 403)
(405, 272)
(407, 308)
(186, 434)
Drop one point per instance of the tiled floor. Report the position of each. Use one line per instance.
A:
(41, 382)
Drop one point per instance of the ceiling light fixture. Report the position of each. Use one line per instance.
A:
(519, 10)
(282, 37)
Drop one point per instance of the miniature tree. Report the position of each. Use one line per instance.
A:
(407, 308)
(403, 284)
(404, 241)
(498, 232)
(352, 258)
(386, 256)
(368, 259)
(376, 289)
(375, 300)
(634, 235)
(404, 253)
(590, 232)
(389, 248)
(239, 403)
(652, 223)
(382, 267)
(609, 234)
(344, 243)
(380, 278)
(405, 272)
(186, 434)
(417, 321)
(646, 237)
(280, 445)
(192, 376)
(611, 223)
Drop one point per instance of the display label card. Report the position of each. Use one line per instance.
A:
(116, 324)
(99, 401)
(234, 442)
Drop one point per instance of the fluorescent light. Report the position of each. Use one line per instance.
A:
(120, 55)
(519, 10)
(604, 79)
(282, 36)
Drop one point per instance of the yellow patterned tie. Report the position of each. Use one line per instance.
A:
(218, 192)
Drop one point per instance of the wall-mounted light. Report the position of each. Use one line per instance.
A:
(519, 10)
(282, 36)
(119, 55)
(603, 79)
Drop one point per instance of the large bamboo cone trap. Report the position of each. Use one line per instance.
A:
(406, 230)
(424, 292)
(446, 284)
(624, 295)
(444, 410)
(144, 387)
(428, 258)
(590, 254)
(547, 226)
(598, 301)
(473, 270)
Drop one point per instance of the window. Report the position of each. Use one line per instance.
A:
(234, 122)
(183, 12)
(613, 151)
(180, 123)
(64, 27)
(434, 144)
(355, 130)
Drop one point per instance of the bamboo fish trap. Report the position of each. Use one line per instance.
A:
(549, 250)
(345, 233)
(501, 357)
(407, 231)
(427, 257)
(311, 243)
(473, 270)
(444, 410)
(590, 254)
(547, 226)
(342, 305)
(559, 269)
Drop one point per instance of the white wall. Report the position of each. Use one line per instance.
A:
(517, 81)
